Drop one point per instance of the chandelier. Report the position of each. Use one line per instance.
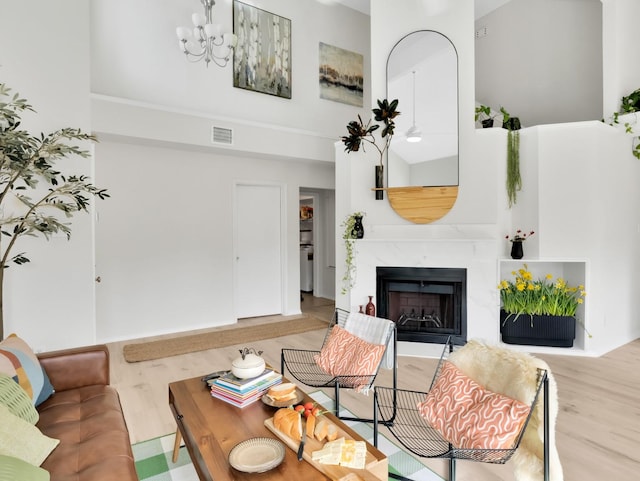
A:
(206, 40)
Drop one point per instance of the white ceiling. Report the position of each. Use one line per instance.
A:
(482, 7)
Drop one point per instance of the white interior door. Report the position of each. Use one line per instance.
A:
(258, 250)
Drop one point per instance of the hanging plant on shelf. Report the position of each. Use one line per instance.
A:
(629, 104)
(360, 132)
(352, 230)
(514, 180)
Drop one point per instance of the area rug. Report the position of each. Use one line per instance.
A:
(153, 457)
(146, 351)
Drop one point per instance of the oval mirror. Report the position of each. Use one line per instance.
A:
(422, 73)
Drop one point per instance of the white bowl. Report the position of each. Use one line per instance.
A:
(250, 366)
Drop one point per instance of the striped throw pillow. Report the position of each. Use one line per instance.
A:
(469, 416)
(347, 355)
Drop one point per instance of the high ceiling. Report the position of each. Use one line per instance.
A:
(482, 7)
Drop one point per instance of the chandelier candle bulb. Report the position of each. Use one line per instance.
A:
(198, 19)
(183, 33)
(213, 30)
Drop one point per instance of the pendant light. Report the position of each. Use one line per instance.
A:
(414, 134)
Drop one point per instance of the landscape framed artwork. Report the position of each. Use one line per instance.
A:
(340, 75)
(262, 57)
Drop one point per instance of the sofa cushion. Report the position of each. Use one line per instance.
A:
(22, 440)
(18, 360)
(14, 469)
(94, 441)
(17, 400)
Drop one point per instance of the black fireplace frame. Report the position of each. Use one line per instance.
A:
(455, 275)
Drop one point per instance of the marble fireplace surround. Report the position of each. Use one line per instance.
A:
(479, 256)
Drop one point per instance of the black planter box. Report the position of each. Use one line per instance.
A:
(554, 331)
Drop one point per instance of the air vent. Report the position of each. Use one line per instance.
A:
(221, 135)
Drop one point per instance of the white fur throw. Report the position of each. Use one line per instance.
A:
(514, 374)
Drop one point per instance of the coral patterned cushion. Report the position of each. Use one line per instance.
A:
(345, 354)
(469, 416)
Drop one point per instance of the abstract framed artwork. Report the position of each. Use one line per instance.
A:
(262, 57)
(340, 75)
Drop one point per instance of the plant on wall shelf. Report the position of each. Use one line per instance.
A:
(351, 232)
(360, 133)
(514, 180)
(629, 104)
(26, 162)
(485, 116)
(524, 296)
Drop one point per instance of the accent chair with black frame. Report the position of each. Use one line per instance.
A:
(431, 424)
(354, 349)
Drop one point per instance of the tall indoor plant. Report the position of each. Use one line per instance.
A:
(27, 162)
(359, 132)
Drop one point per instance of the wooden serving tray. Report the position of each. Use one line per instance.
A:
(376, 464)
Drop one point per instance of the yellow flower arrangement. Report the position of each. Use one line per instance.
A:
(547, 296)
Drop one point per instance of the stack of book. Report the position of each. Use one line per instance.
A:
(242, 392)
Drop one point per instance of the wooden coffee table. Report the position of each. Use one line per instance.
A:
(211, 428)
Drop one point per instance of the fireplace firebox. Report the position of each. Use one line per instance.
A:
(428, 304)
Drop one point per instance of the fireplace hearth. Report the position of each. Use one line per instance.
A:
(427, 304)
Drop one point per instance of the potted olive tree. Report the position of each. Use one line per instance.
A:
(33, 193)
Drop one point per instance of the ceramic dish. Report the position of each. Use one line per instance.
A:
(283, 404)
(257, 455)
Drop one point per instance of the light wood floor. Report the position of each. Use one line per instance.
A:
(597, 432)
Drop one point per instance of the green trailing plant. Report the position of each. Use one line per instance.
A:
(349, 236)
(631, 102)
(628, 104)
(514, 180)
(508, 121)
(360, 133)
(33, 193)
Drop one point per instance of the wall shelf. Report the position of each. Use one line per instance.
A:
(574, 271)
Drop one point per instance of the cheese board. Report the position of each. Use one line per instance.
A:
(376, 464)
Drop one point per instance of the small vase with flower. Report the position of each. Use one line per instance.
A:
(517, 241)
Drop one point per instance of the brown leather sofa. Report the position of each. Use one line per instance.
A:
(85, 414)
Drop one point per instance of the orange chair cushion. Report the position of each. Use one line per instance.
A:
(470, 417)
(347, 355)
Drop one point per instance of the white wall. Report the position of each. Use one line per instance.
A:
(580, 195)
(114, 67)
(165, 238)
(50, 301)
(542, 60)
(620, 40)
(135, 55)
